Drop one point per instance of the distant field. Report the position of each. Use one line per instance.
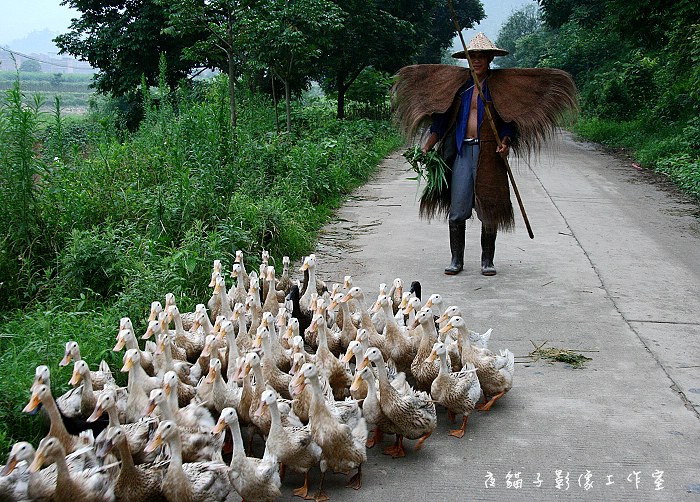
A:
(73, 88)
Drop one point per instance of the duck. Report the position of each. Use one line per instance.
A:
(271, 303)
(253, 307)
(134, 483)
(68, 403)
(202, 320)
(166, 362)
(398, 343)
(243, 341)
(480, 340)
(278, 354)
(342, 439)
(396, 294)
(194, 414)
(378, 316)
(17, 483)
(495, 371)
(137, 433)
(219, 304)
(238, 291)
(459, 392)
(327, 363)
(358, 388)
(192, 342)
(255, 479)
(192, 481)
(348, 330)
(273, 375)
(82, 373)
(284, 283)
(138, 386)
(412, 414)
(41, 393)
(311, 284)
(224, 396)
(262, 422)
(227, 332)
(371, 409)
(196, 441)
(356, 294)
(304, 318)
(186, 318)
(243, 274)
(425, 371)
(94, 484)
(292, 446)
(98, 378)
(127, 338)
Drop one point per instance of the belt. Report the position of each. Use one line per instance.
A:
(471, 141)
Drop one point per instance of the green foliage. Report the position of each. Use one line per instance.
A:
(122, 218)
(38, 336)
(637, 67)
(429, 167)
(521, 23)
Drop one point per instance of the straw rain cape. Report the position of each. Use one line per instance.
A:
(534, 99)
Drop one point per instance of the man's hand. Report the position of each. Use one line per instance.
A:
(504, 148)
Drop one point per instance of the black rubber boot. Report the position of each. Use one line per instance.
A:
(488, 250)
(457, 231)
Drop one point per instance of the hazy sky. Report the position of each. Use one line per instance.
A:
(18, 18)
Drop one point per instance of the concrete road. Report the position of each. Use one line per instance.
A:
(613, 272)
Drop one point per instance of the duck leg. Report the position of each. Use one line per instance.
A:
(356, 481)
(487, 406)
(321, 496)
(420, 442)
(450, 416)
(303, 491)
(283, 471)
(458, 433)
(376, 438)
(396, 450)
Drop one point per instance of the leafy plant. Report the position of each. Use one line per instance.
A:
(428, 167)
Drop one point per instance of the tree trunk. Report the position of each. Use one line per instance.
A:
(340, 115)
(232, 93)
(288, 103)
(274, 101)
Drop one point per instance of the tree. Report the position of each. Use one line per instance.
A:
(124, 39)
(217, 27)
(386, 34)
(521, 23)
(285, 37)
(30, 65)
(439, 27)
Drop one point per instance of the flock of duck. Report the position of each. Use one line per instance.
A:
(310, 370)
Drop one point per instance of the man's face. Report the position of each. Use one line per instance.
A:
(480, 62)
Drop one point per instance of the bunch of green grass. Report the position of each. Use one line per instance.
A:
(429, 167)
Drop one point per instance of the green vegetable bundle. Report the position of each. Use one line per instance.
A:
(429, 167)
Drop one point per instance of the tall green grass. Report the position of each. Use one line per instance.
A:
(119, 219)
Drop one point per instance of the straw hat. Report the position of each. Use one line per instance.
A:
(481, 43)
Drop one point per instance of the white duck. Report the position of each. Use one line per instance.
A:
(254, 479)
(193, 481)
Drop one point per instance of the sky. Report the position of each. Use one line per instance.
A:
(19, 18)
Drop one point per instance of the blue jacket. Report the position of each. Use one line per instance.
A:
(440, 121)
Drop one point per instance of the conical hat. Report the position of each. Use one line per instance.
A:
(481, 43)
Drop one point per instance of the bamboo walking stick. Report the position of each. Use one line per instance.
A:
(491, 121)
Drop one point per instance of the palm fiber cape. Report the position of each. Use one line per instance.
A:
(533, 99)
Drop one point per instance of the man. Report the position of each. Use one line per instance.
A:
(524, 104)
